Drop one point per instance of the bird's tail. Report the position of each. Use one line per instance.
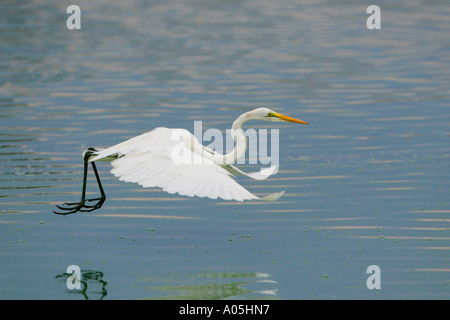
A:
(95, 151)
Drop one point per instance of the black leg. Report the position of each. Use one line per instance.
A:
(100, 200)
(81, 206)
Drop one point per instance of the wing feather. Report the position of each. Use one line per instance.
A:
(149, 160)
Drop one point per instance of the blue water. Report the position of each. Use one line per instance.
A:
(366, 182)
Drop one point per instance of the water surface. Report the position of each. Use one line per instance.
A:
(366, 182)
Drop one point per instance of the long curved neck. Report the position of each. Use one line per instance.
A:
(240, 144)
(240, 140)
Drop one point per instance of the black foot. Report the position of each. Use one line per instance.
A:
(73, 207)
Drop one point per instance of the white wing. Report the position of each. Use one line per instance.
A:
(264, 173)
(162, 159)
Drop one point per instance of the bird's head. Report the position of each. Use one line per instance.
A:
(267, 114)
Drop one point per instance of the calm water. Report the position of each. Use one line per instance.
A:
(367, 182)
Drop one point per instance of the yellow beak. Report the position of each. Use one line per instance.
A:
(290, 119)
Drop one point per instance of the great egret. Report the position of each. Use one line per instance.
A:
(153, 160)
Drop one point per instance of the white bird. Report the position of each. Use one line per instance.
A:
(175, 161)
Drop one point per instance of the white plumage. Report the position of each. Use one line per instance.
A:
(162, 158)
(175, 161)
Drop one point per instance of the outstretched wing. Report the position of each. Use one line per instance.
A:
(161, 158)
(264, 173)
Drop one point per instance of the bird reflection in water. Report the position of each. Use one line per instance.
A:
(88, 278)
